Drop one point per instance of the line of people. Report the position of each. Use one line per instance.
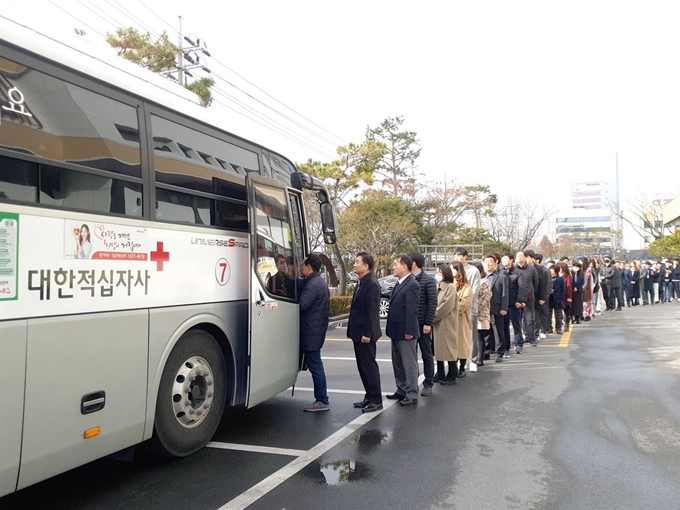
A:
(464, 317)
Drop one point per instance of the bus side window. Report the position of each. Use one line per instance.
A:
(298, 239)
(276, 266)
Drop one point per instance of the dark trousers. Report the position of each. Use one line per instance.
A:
(515, 317)
(544, 317)
(425, 344)
(315, 366)
(498, 330)
(368, 370)
(676, 288)
(529, 321)
(506, 328)
(618, 291)
(648, 296)
(609, 296)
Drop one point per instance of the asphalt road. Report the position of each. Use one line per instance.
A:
(589, 420)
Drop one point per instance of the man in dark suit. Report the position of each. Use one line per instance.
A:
(426, 309)
(363, 328)
(404, 330)
(526, 299)
(498, 281)
(514, 314)
(545, 286)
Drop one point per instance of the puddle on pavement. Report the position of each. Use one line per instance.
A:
(348, 470)
(344, 471)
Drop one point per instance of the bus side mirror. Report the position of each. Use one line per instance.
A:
(328, 223)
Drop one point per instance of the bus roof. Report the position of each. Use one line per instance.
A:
(104, 65)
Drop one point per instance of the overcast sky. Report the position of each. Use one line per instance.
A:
(525, 96)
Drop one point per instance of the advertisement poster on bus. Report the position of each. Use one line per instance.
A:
(79, 264)
(9, 252)
(104, 241)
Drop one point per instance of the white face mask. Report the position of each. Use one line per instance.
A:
(574, 269)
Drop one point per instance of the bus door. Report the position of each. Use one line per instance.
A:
(277, 248)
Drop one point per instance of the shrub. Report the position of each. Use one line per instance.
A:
(340, 305)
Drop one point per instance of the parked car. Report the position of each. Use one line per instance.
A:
(386, 283)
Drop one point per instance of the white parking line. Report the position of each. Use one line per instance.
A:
(257, 449)
(259, 490)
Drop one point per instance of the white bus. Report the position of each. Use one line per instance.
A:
(137, 239)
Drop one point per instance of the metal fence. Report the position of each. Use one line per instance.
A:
(436, 254)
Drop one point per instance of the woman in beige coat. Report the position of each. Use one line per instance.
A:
(464, 312)
(483, 319)
(446, 326)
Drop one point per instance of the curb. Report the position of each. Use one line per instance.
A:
(339, 321)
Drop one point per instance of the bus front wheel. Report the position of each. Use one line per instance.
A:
(191, 396)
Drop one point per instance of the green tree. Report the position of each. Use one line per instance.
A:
(345, 175)
(201, 88)
(157, 56)
(136, 47)
(473, 235)
(668, 246)
(403, 149)
(442, 208)
(382, 225)
(355, 166)
(480, 202)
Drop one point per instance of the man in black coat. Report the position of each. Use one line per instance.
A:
(314, 307)
(526, 299)
(618, 288)
(426, 309)
(363, 328)
(675, 279)
(542, 293)
(607, 283)
(498, 282)
(514, 313)
(403, 329)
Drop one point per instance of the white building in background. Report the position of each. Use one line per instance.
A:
(595, 195)
(590, 227)
(592, 218)
(671, 215)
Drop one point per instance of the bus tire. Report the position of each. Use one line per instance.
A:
(191, 396)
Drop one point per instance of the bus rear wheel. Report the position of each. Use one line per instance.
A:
(191, 396)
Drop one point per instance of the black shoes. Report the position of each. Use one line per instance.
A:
(362, 404)
(408, 401)
(372, 407)
(447, 381)
(499, 358)
(462, 372)
(618, 309)
(396, 396)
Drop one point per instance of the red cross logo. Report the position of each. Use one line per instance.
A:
(159, 256)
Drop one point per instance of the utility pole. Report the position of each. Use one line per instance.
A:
(182, 70)
(180, 57)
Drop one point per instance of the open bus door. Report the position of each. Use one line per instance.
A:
(277, 249)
